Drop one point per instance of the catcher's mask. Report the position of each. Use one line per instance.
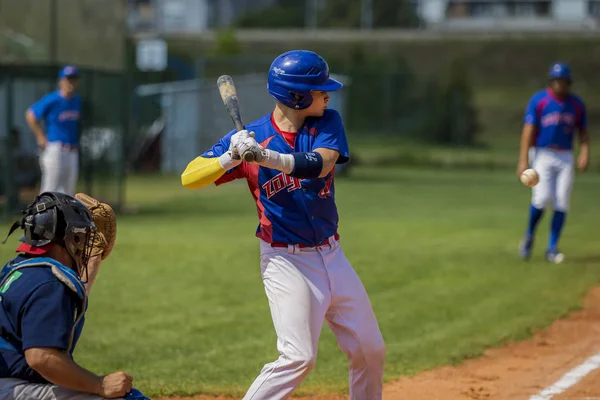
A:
(55, 217)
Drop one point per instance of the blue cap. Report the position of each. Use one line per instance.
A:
(68, 71)
(560, 70)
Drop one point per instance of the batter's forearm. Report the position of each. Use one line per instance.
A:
(316, 164)
(275, 160)
(201, 171)
(330, 157)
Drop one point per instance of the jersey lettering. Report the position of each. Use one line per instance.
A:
(280, 182)
(70, 115)
(557, 118)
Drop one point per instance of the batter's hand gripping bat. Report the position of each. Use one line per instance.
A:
(230, 100)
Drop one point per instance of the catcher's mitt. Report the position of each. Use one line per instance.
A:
(106, 224)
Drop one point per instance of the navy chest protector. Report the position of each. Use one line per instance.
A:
(65, 275)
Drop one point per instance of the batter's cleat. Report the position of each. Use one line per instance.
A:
(525, 247)
(554, 256)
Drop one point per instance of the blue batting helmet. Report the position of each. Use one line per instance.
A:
(297, 72)
(560, 70)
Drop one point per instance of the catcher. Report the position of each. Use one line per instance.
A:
(44, 292)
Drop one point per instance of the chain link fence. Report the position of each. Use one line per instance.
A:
(177, 121)
(102, 135)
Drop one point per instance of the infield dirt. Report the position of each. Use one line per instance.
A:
(513, 372)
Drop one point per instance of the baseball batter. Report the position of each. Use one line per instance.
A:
(307, 277)
(61, 111)
(552, 119)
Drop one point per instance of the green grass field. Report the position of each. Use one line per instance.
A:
(180, 303)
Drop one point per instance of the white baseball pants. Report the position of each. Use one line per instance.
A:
(16, 389)
(60, 169)
(557, 173)
(304, 287)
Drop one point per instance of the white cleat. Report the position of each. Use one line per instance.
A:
(554, 256)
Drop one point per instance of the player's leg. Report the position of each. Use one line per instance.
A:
(66, 161)
(16, 389)
(353, 322)
(7, 388)
(51, 166)
(541, 195)
(562, 197)
(72, 172)
(297, 289)
(63, 167)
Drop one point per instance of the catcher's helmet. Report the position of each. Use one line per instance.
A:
(55, 217)
(560, 70)
(297, 72)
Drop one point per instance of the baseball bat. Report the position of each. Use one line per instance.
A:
(230, 100)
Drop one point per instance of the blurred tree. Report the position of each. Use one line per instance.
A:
(332, 14)
(286, 14)
(89, 32)
(454, 119)
(226, 43)
(386, 14)
(380, 96)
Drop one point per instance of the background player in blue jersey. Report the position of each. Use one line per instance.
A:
(44, 292)
(552, 119)
(306, 275)
(59, 144)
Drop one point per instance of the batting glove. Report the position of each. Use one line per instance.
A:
(267, 158)
(240, 136)
(250, 144)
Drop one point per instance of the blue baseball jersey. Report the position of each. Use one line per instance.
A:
(37, 311)
(291, 210)
(61, 116)
(555, 120)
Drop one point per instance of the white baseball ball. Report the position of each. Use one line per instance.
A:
(530, 177)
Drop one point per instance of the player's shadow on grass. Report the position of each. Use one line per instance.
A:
(584, 259)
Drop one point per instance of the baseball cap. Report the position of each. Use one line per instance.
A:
(31, 249)
(68, 71)
(34, 250)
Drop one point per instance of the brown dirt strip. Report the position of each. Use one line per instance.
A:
(513, 372)
(587, 389)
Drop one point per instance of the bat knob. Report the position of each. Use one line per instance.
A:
(248, 156)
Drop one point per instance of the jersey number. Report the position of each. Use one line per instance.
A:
(326, 191)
